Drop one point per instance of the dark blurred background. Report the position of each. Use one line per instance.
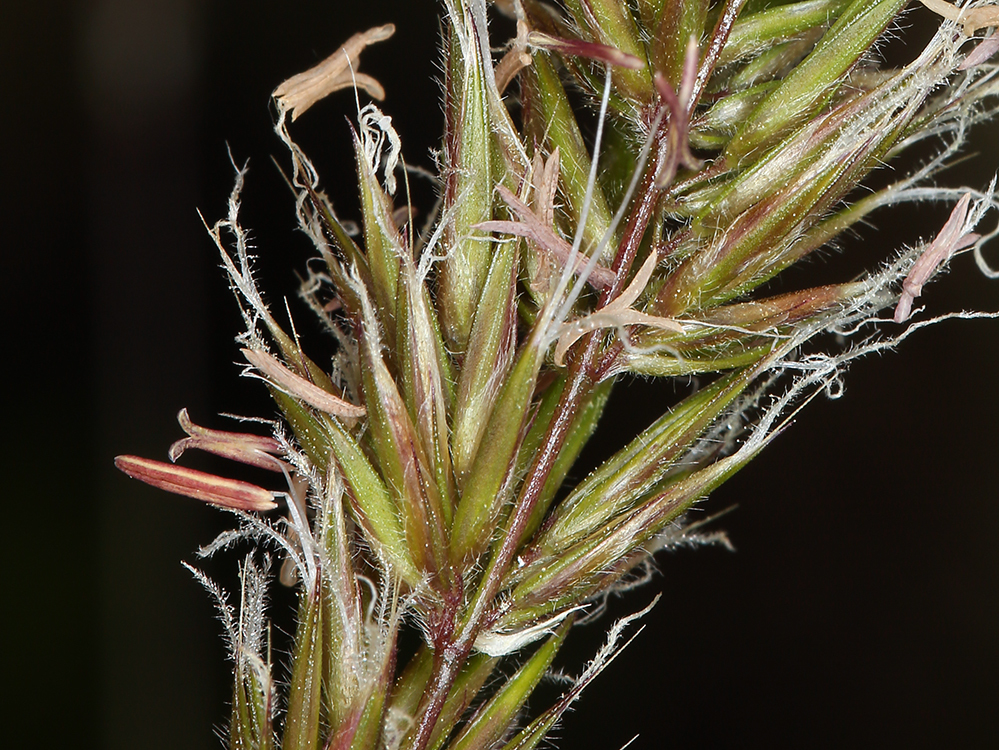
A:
(862, 606)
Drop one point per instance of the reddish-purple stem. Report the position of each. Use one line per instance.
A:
(451, 651)
(719, 37)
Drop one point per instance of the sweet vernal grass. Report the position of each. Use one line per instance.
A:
(423, 468)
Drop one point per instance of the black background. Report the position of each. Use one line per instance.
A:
(861, 606)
